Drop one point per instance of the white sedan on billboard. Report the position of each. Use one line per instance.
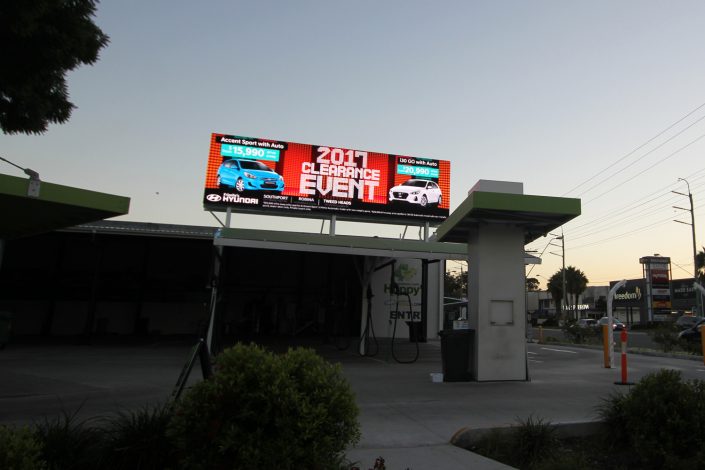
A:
(417, 191)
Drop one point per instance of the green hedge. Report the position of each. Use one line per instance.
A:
(20, 449)
(661, 421)
(262, 410)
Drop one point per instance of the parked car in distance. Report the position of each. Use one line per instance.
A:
(616, 324)
(587, 323)
(686, 321)
(692, 334)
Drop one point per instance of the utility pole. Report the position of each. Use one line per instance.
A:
(698, 304)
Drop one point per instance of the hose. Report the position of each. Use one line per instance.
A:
(394, 330)
(369, 327)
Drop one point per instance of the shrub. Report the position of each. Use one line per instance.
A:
(19, 449)
(666, 334)
(494, 445)
(579, 334)
(533, 441)
(529, 445)
(138, 440)
(322, 414)
(261, 410)
(661, 419)
(69, 444)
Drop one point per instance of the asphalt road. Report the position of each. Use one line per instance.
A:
(544, 358)
(635, 339)
(404, 416)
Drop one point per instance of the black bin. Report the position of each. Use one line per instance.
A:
(457, 350)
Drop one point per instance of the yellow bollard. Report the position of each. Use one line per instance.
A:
(606, 343)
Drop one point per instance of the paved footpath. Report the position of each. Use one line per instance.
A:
(405, 417)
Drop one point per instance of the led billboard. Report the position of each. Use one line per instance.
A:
(286, 178)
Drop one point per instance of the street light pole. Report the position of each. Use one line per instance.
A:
(698, 304)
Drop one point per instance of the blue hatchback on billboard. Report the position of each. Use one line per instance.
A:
(248, 175)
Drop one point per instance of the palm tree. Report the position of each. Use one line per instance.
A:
(700, 265)
(555, 287)
(576, 283)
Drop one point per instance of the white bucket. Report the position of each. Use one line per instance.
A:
(436, 377)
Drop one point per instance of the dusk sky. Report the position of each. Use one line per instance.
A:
(600, 100)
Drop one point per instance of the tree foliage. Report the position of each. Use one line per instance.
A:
(532, 284)
(650, 420)
(456, 285)
(575, 284)
(261, 410)
(42, 40)
(700, 265)
(555, 288)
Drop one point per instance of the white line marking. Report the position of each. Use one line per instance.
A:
(531, 352)
(701, 370)
(560, 350)
(534, 360)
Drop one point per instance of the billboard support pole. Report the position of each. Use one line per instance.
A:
(426, 230)
(332, 226)
(210, 340)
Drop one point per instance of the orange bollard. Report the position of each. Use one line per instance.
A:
(623, 340)
(606, 343)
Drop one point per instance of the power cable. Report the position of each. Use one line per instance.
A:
(625, 234)
(701, 136)
(654, 209)
(540, 255)
(690, 272)
(692, 177)
(607, 225)
(662, 222)
(640, 147)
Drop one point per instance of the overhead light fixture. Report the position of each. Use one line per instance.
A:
(34, 181)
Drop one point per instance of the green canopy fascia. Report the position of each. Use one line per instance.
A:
(54, 207)
(538, 215)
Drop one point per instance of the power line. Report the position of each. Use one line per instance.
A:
(599, 228)
(625, 234)
(540, 255)
(701, 136)
(654, 209)
(637, 203)
(640, 147)
(628, 233)
(663, 221)
(606, 224)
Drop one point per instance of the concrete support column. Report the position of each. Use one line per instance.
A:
(497, 306)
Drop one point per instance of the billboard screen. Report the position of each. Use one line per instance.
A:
(286, 178)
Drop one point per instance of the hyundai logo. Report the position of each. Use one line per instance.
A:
(214, 197)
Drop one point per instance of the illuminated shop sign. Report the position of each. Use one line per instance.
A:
(629, 295)
(287, 178)
(682, 289)
(657, 272)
